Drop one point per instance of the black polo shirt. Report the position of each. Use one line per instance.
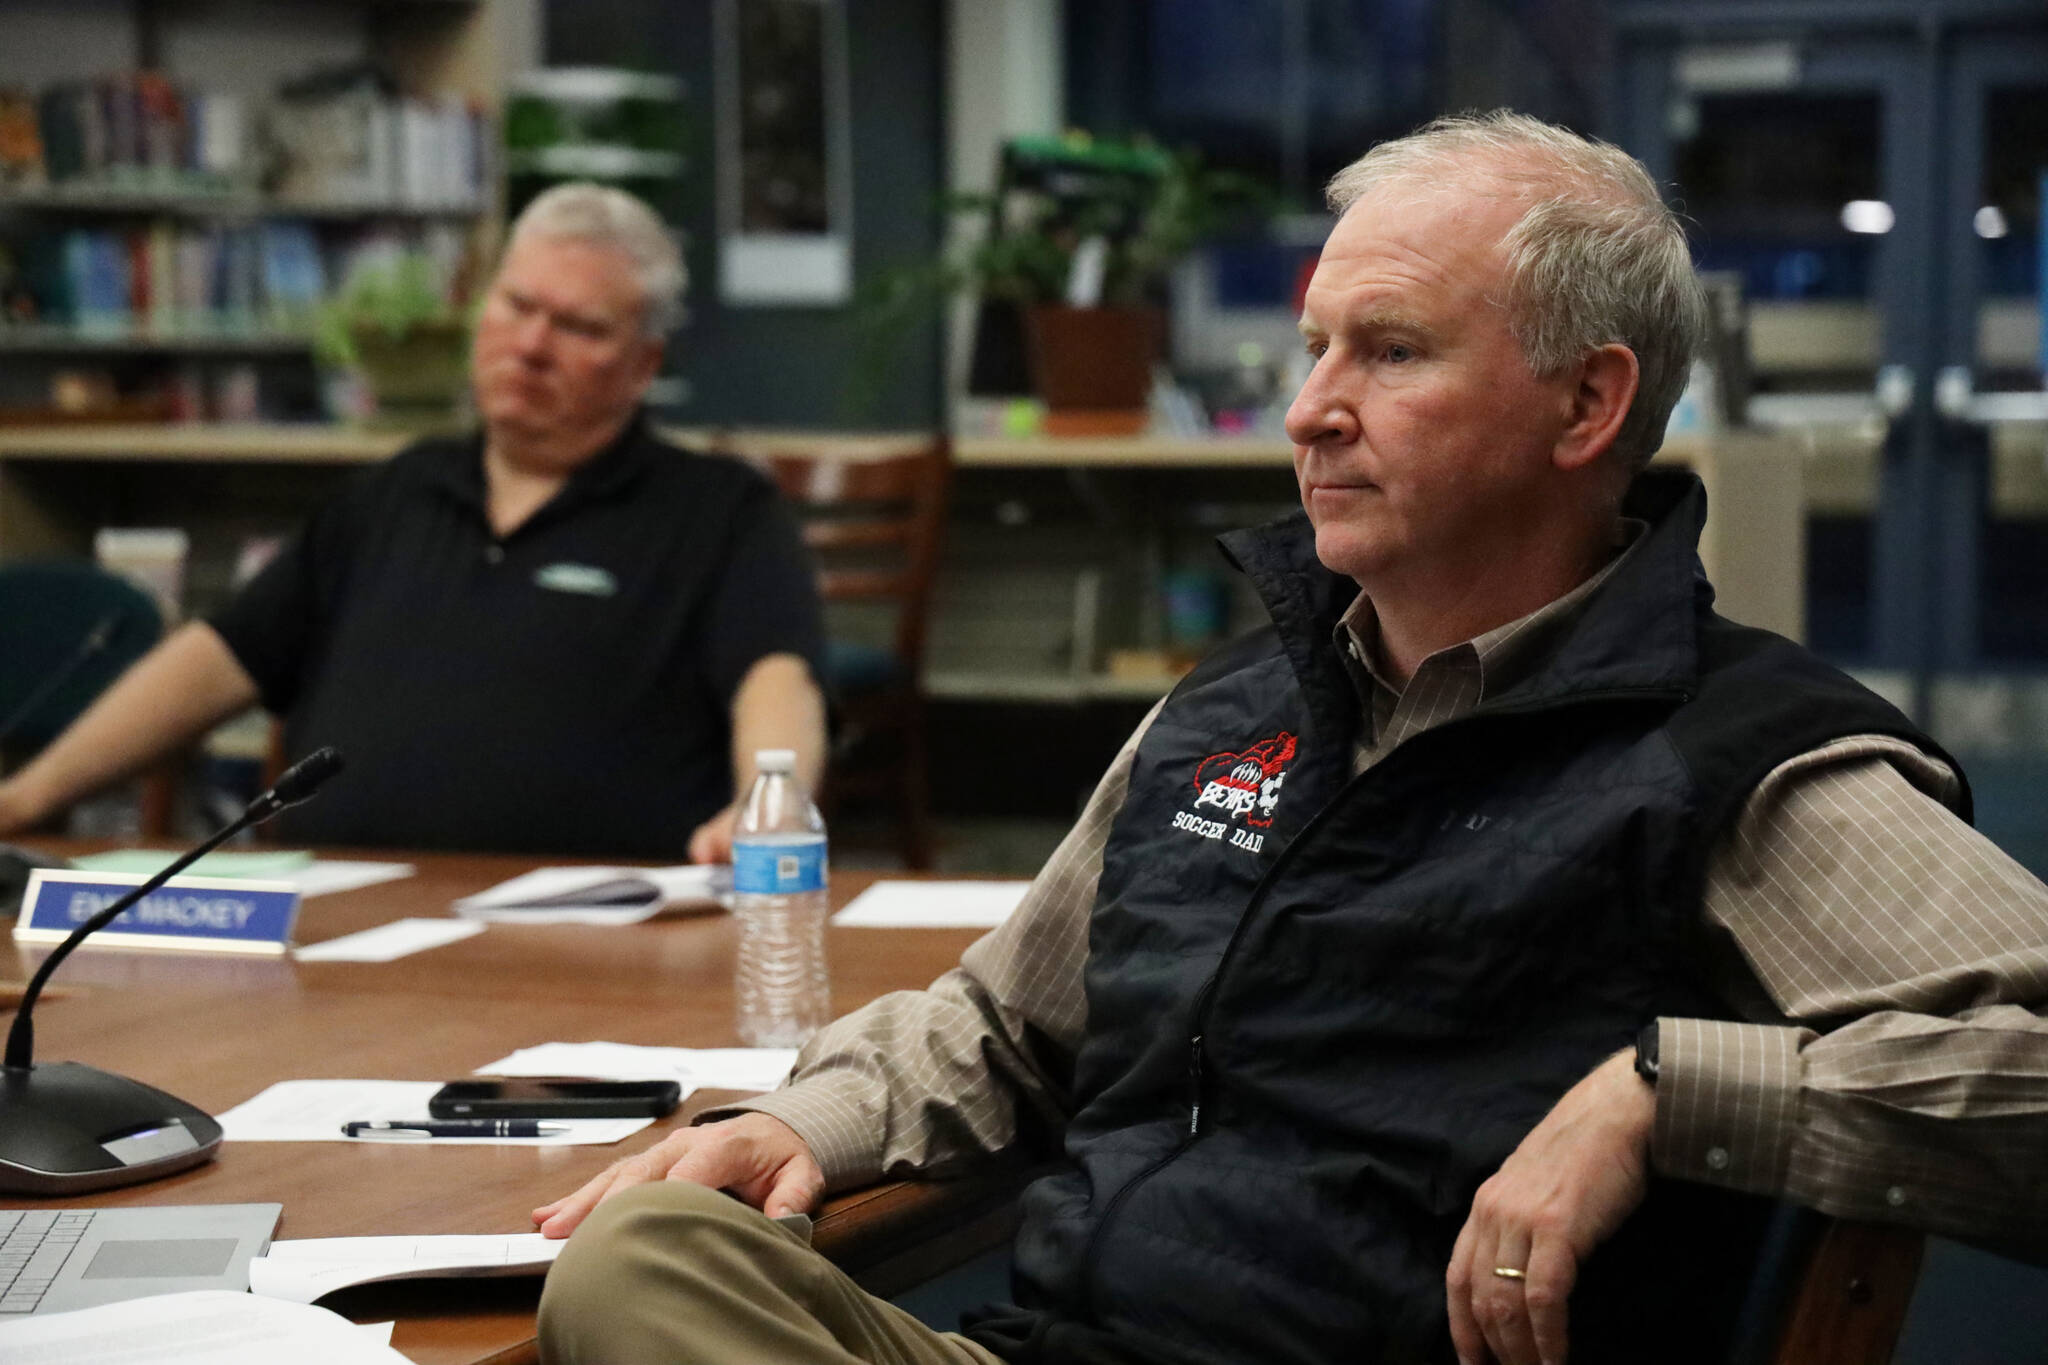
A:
(565, 689)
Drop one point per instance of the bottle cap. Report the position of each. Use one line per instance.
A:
(775, 760)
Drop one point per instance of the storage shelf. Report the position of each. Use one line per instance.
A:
(23, 339)
(984, 685)
(1133, 451)
(601, 161)
(128, 200)
(204, 442)
(287, 441)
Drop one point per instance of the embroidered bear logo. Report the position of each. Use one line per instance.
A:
(1247, 780)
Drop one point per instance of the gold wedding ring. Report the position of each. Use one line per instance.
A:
(1508, 1272)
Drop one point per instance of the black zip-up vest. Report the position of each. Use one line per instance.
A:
(1323, 1008)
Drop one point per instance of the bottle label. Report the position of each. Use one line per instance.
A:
(780, 868)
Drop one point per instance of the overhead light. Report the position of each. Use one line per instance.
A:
(1868, 215)
(1990, 222)
(1736, 69)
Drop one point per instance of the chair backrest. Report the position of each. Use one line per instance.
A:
(1828, 1291)
(873, 512)
(67, 630)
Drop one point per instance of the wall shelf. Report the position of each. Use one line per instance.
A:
(986, 685)
(142, 200)
(1135, 452)
(1752, 546)
(204, 443)
(41, 338)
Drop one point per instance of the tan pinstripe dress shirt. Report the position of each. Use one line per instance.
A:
(1845, 892)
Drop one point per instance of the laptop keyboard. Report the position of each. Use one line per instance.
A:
(33, 1245)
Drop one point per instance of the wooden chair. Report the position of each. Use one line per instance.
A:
(896, 1235)
(1826, 1291)
(1838, 1294)
(873, 511)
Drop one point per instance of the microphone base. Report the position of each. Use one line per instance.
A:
(67, 1128)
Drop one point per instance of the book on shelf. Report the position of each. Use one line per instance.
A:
(21, 140)
(167, 279)
(139, 129)
(352, 146)
(362, 147)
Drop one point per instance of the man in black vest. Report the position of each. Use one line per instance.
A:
(1458, 966)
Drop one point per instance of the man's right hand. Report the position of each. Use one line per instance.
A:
(758, 1158)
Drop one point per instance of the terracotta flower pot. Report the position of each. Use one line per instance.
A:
(1093, 367)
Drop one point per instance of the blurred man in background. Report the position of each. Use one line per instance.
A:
(559, 634)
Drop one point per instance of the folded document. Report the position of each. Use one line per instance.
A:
(599, 895)
(708, 1068)
(313, 1267)
(303, 1270)
(201, 1327)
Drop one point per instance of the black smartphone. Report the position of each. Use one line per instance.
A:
(553, 1097)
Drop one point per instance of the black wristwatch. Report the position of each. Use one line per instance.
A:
(1646, 1053)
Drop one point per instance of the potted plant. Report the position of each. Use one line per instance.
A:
(393, 324)
(1071, 274)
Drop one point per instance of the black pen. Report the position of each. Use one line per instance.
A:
(433, 1128)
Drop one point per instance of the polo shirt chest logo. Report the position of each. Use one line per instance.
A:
(586, 579)
(1237, 792)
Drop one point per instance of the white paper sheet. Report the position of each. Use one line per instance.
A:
(313, 1111)
(208, 1327)
(389, 942)
(932, 905)
(328, 875)
(303, 1269)
(694, 886)
(706, 1068)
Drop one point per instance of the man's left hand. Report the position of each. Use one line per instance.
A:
(711, 842)
(1561, 1193)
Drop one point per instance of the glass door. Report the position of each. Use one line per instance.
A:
(1799, 163)
(1989, 389)
(1989, 690)
(1875, 185)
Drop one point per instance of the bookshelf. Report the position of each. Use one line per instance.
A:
(150, 262)
(1029, 612)
(58, 339)
(60, 480)
(207, 205)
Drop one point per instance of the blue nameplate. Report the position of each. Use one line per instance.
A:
(214, 914)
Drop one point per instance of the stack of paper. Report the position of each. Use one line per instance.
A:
(205, 1327)
(302, 1270)
(707, 1068)
(313, 1111)
(932, 905)
(599, 895)
(389, 942)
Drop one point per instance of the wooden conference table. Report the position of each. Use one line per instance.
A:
(216, 1029)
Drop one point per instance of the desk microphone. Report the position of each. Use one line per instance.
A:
(91, 647)
(66, 1128)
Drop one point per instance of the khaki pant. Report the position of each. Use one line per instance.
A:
(672, 1273)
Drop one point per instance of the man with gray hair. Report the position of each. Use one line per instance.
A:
(558, 635)
(1461, 965)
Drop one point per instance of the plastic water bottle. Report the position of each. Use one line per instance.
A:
(782, 988)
